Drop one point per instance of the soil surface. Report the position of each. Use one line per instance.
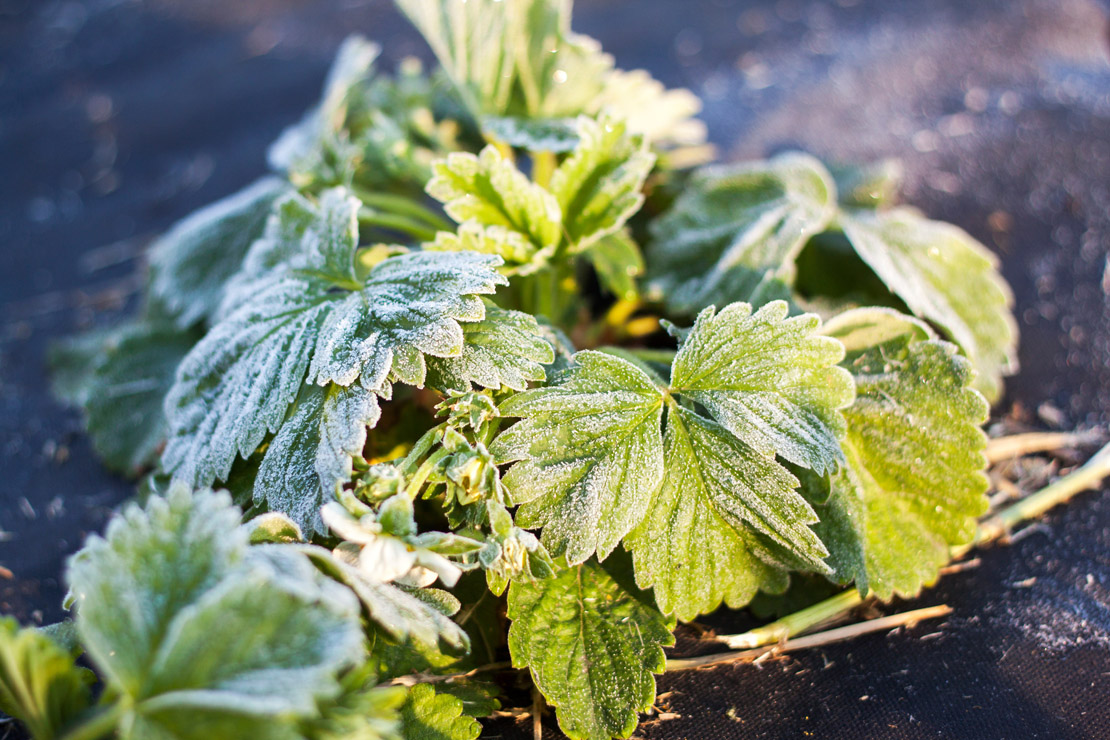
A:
(118, 117)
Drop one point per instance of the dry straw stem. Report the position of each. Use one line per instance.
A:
(905, 619)
(993, 528)
(1001, 449)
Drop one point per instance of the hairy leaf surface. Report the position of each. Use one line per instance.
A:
(505, 349)
(695, 546)
(599, 185)
(590, 454)
(428, 714)
(120, 378)
(914, 484)
(190, 264)
(203, 635)
(768, 379)
(945, 277)
(592, 641)
(299, 312)
(732, 220)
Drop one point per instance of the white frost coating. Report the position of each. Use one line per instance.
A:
(590, 454)
(752, 215)
(770, 380)
(288, 322)
(946, 277)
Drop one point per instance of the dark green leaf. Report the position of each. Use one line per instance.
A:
(592, 641)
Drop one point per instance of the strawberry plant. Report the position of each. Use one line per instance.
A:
(495, 364)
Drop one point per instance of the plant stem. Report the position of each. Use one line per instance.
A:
(796, 623)
(839, 634)
(543, 167)
(421, 475)
(1017, 445)
(993, 528)
(97, 726)
(660, 356)
(394, 222)
(1090, 475)
(402, 206)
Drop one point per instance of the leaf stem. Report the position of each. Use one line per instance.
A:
(796, 623)
(1090, 475)
(421, 475)
(403, 206)
(394, 222)
(543, 167)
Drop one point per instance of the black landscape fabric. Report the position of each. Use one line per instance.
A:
(119, 117)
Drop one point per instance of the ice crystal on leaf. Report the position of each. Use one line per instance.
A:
(300, 312)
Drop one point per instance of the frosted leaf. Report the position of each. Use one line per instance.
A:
(515, 248)
(698, 545)
(618, 262)
(296, 314)
(946, 277)
(428, 714)
(556, 135)
(40, 683)
(506, 349)
(665, 118)
(599, 185)
(120, 378)
(298, 149)
(914, 484)
(770, 380)
(871, 185)
(512, 58)
(164, 603)
(310, 456)
(489, 189)
(592, 641)
(736, 219)
(588, 452)
(190, 264)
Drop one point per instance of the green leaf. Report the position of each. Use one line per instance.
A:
(770, 380)
(362, 711)
(512, 58)
(618, 262)
(489, 189)
(303, 148)
(914, 484)
(120, 378)
(311, 454)
(598, 187)
(755, 216)
(200, 635)
(665, 118)
(872, 185)
(557, 135)
(39, 683)
(297, 313)
(430, 715)
(592, 641)
(589, 452)
(191, 263)
(947, 278)
(697, 545)
(505, 349)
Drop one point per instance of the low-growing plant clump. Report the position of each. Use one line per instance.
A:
(495, 367)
